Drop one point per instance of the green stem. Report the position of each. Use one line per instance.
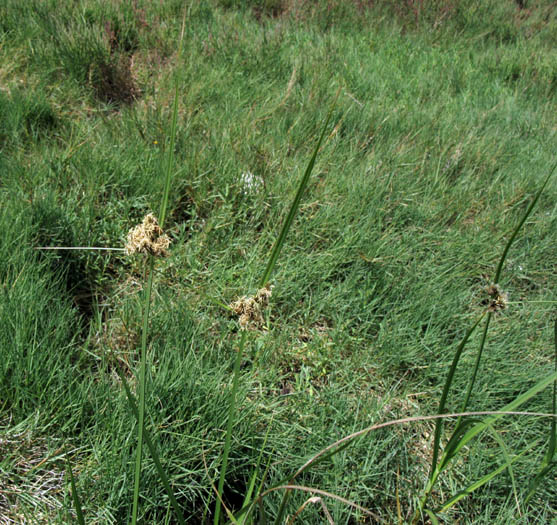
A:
(230, 423)
(148, 291)
(476, 366)
(141, 422)
(295, 205)
(445, 393)
(170, 160)
(517, 229)
(154, 454)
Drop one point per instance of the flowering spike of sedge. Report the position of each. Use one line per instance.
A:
(497, 298)
(250, 309)
(148, 237)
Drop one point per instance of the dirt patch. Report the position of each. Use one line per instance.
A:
(114, 80)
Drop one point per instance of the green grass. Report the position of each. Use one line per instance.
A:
(442, 134)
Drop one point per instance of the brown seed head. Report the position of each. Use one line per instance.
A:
(250, 309)
(497, 300)
(148, 237)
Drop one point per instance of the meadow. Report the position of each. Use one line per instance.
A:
(416, 140)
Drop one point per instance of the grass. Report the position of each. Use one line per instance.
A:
(442, 134)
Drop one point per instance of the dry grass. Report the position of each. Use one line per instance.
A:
(32, 479)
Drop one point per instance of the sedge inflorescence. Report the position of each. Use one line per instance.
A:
(497, 300)
(148, 237)
(250, 309)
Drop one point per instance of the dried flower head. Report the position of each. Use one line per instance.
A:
(496, 300)
(148, 237)
(250, 309)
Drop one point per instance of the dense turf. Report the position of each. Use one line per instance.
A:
(444, 130)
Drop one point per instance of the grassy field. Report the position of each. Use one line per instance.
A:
(443, 131)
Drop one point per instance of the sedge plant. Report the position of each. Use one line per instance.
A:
(149, 267)
(264, 281)
(463, 428)
(138, 241)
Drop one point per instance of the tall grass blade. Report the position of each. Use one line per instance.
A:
(460, 438)
(445, 393)
(520, 224)
(296, 204)
(549, 461)
(249, 508)
(75, 495)
(472, 381)
(282, 508)
(154, 454)
(482, 481)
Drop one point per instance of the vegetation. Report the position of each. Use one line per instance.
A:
(436, 157)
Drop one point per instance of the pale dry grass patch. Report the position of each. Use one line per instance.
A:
(32, 488)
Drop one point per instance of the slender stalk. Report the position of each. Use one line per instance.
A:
(231, 420)
(154, 454)
(517, 229)
(275, 252)
(142, 368)
(476, 365)
(445, 393)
